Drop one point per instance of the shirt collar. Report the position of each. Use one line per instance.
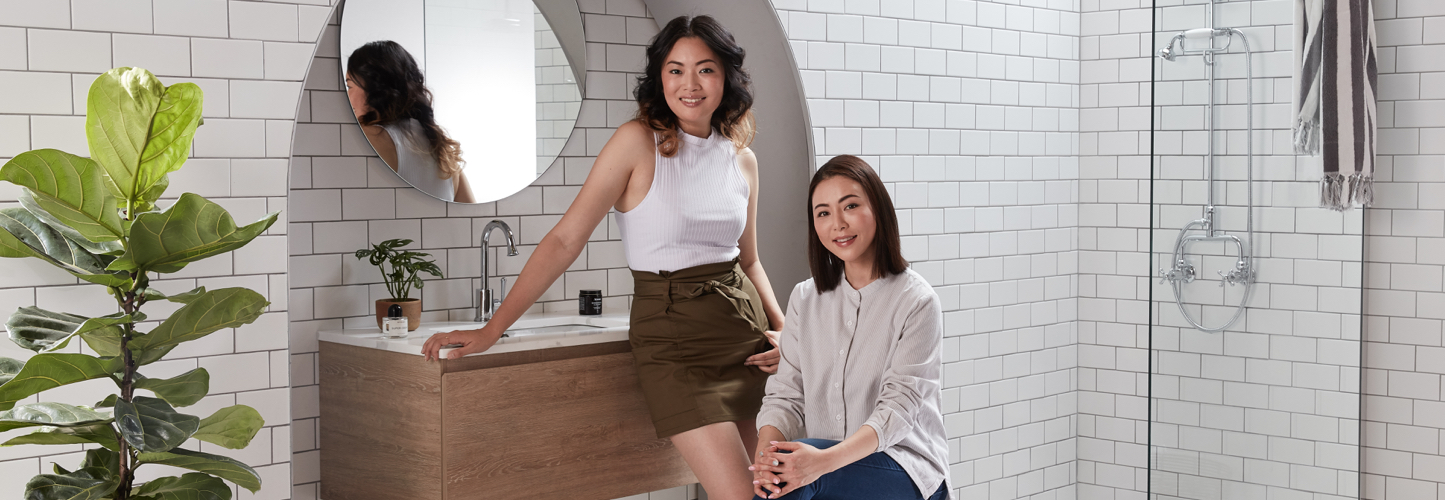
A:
(856, 295)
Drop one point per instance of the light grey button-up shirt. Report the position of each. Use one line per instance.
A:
(865, 357)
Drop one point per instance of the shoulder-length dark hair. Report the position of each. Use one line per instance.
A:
(887, 246)
(734, 116)
(396, 90)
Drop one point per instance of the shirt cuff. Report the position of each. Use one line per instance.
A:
(890, 429)
(781, 420)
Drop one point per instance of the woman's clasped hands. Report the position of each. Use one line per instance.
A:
(786, 466)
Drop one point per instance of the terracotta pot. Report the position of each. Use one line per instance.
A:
(411, 308)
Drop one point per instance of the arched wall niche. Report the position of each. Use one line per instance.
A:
(341, 197)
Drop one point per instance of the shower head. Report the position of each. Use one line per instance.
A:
(1167, 53)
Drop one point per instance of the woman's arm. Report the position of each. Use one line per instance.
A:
(631, 144)
(464, 189)
(913, 368)
(748, 244)
(782, 409)
(381, 142)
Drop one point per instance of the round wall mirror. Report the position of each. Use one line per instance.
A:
(504, 79)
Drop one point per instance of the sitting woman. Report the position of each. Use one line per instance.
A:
(853, 412)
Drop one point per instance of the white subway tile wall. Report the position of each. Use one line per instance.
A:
(50, 51)
(969, 112)
(1404, 255)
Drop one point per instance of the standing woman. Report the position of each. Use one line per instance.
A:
(394, 107)
(858, 386)
(685, 187)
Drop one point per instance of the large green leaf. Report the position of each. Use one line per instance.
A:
(113, 247)
(38, 330)
(138, 129)
(48, 244)
(180, 298)
(182, 390)
(49, 414)
(91, 483)
(8, 368)
(225, 468)
(103, 334)
(232, 427)
(103, 459)
(191, 486)
(141, 357)
(103, 434)
(213, 310)
(192, 229)
(47, 371)
(69, 188)
(152, 425)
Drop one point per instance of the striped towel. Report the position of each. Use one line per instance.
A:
(1335, 96)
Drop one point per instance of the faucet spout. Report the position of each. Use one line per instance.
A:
(487, 302)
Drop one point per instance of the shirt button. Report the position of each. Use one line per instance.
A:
(840, 351)
(835, 385)
(849, 322)
(839, 417)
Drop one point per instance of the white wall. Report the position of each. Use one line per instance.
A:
(969, 112)
(1404, 448)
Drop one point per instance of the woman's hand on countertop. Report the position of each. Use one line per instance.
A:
(767, 361)
(466, 342)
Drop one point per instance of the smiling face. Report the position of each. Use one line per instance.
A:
(357, 96)
(693, 81)
(843, 220)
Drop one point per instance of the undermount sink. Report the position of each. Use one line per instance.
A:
(529, 325)
(518, 332)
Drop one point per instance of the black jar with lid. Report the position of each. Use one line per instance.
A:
(589, 302)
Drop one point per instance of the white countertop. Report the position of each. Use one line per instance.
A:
(612, 327)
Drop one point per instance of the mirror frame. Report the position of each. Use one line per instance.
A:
(565, 19)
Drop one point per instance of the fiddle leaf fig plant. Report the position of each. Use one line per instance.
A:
(400, 269)
(101, 219)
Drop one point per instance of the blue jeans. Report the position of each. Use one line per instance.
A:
(875, 477)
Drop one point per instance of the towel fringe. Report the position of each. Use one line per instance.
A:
(1362, 189)
(1307, 137)
(1341, 193)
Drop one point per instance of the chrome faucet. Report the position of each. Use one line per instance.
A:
(486, 304)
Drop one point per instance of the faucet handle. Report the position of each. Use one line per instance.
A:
(503, 293)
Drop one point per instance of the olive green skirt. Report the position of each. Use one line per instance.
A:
(691, 331)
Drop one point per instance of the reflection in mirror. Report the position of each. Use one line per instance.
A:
(467, 100)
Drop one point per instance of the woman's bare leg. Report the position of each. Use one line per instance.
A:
(748, 432)
(718, 458)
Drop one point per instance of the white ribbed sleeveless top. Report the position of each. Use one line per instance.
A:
(694, 212)
(415, 163)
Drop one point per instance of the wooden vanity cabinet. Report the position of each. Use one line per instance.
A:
(567, 422)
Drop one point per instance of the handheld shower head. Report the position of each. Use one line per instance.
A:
(1167, 53)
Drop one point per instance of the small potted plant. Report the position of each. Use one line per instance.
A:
(401, 270)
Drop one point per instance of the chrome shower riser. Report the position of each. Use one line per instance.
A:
(1243, 273)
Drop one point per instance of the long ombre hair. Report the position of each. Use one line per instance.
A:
(734, 115)
(395, 91)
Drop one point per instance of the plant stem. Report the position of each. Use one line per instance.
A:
(127, 391)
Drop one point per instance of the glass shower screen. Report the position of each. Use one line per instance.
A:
(1255, 300)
